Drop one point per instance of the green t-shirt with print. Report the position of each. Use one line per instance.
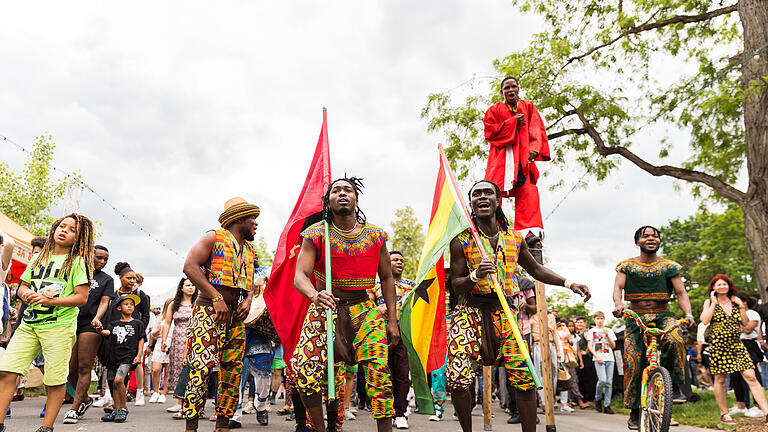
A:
(49, 281)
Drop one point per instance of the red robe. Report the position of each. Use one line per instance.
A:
(510, 145)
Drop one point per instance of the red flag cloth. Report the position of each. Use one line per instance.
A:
(510, 143)
(286, 306)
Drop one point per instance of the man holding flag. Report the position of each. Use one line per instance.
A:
(479, 330)
(358, 253)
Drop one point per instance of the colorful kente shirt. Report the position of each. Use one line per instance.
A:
(505, 256)
(648, 281)
(402, 288)
(354, 259)
(229, 264)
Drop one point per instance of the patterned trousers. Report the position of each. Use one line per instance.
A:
(208, 346)
(466, 340)
(672, 349)
(360, 334)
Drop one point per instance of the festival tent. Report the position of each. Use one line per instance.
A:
(23, 251)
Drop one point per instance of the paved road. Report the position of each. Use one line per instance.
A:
(153, 418)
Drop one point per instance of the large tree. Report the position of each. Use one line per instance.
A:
(706, 244)
(605, 73)
(28, 197)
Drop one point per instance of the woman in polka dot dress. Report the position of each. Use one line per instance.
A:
(726, 313)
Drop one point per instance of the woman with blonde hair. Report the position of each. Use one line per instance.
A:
(160, 358)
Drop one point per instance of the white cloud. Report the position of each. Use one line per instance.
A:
(168, 110)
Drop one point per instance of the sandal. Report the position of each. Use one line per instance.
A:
(178, 416)
(284, 411)
(726, 418)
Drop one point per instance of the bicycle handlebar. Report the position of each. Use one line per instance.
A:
(632, 314)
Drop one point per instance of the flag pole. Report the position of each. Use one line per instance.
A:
(494, 279)
(329, 315)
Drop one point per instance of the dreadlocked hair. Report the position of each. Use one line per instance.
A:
(501, 218)
(357, 185)
(83, 247)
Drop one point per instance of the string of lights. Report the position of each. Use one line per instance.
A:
(87, 187)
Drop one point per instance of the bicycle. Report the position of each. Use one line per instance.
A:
(656, 384)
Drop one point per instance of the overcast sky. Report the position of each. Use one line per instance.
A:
(168, 110)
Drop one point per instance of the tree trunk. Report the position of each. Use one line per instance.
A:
(754, 20)
(756, 230)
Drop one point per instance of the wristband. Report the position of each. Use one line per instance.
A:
(473, 276)
(568, 283)
(218, 298)
(690, 317)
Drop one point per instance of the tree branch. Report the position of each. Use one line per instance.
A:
(646, 26)
(578, 131)
(722, 188)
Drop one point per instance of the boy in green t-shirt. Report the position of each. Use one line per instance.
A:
(53, 286)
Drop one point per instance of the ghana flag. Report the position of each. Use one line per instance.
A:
(422, 316)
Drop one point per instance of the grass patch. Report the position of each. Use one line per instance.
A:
(33, 392)
(704, 413)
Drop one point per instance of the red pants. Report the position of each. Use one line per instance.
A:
(527, 207)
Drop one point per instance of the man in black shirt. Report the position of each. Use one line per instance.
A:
(88, 337)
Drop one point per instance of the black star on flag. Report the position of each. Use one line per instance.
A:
(421, 291)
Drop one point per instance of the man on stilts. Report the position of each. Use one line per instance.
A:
(221, 266)
(358, 253)
(479, 330)
(515, 131)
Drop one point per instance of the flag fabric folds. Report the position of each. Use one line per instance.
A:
(285, 305)
(422, 316)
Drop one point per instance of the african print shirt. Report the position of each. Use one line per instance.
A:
(50, 281)
(354, 259)
(648, 281)
(229, 265)
(402, 288)
(505, 256)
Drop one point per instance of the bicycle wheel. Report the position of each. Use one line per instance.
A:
(657, 414)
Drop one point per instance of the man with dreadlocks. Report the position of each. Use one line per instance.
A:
(221, 266)
(479, 331)
(53, 286)
(358, 253)
(647, 282)
(516, 134)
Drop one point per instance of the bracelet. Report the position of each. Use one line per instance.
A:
(689, 316)
(568, 283)
(218, 298)
(473, 276)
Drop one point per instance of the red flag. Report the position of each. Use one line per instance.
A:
(286, 306)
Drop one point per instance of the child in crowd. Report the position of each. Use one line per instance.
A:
(125, 345)
(55, 283)
(600, 342)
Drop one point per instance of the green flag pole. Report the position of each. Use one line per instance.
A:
(329, 315)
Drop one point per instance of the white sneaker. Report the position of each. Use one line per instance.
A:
(174, 409)
(435, 417)
(737, 410)
(139, 399)
(70, 417)
(154, 397)
(565, 408)
(754, 412)
(401, 423)
(103, 401)
(161, 399)
(348, 415)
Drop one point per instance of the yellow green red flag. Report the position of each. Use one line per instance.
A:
(422, 316)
